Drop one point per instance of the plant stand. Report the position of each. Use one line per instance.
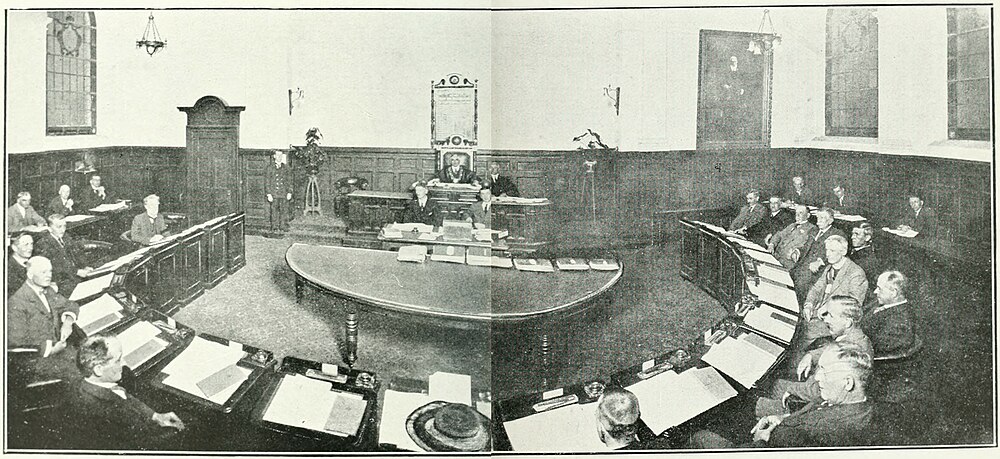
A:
(313, 200)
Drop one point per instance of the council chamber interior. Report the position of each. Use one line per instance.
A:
(528, 230)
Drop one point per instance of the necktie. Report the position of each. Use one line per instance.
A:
(831, 274)
(59, 240)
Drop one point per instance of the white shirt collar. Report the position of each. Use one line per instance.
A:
(887, 306)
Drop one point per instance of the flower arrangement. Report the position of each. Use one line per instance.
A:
(312, 154)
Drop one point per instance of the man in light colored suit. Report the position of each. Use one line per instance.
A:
(41, 319)
(750, 215)
(149, 227)
(840, 276)
(21, 214)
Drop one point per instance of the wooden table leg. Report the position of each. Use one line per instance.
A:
(351, 332)
(298, 288)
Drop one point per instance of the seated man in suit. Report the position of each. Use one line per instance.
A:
(421, 209)
(750, 215)
(841, 419)
(839, 276)
(41, 319)
(21, 214)
(798, 193)
(94, 195)
(840, 202)
(21, 248)
(787, 245)
(776, 219)
(500, 184)
(63, 251)
(479, 213)
(113, 417)
(456, 173)
(807, 270)
(890, 323)
(918, 218)
(863, 252)
(149, 227)
(617, 415)
(62, 203)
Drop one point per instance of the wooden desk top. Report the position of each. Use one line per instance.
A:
(445, 290)
(408, 196)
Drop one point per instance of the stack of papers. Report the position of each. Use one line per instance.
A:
(456, 233)
(571, 428)
(746, 358)
(772, 322)
(484, 235)
(413, 253)
(531, 264)
(850, 218)
(449, 253)
(478, 256)
(600, 264)
(109, 207)
(775, 274)
(140, 343)
(900, 233)
(670, 399)
(428, 236)
(76, 218)
(518, 200)
(391, 233)
(91, 287)
(99, 314)
(762, 257)
(396, 407)
(747, 244)
(501, 262)
(572, 264)
(778, 295)
(207, 370)
(309, 403)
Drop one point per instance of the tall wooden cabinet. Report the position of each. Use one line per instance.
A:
(215, 174)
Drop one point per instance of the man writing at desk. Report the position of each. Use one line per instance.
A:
(149, 227)
(94, 195)
(918, 218)
(457, 173)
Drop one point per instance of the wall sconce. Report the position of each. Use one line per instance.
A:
(614, 93)
(764, 42)
(295, 99)
(151, 39)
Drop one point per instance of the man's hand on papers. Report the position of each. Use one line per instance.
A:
(85, 271)
(762, 431)
(168, 420)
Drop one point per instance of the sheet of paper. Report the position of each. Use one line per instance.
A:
(97, 309)
(450, 387)
(762, 257)
(396, 407)
(186, 384)
(850, 218)
(198, 361)
(135, 336)
(899, 233)
(145, 352)
(109, 207)
(742, 361)
(778, 295)
(91, 287)
(571, 428)
(670, 399)
(76, 218)
(748, 244)
(300, 401)
(771, 321)
(346, 415)
(776, 274)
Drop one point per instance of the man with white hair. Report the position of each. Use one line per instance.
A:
(40, 319)
(798, 193)
(21, 214)
(617, 418)
(807, 270)
(839, 276)
(62, 203)
(149, 227)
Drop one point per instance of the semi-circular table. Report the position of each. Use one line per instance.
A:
(451, 293)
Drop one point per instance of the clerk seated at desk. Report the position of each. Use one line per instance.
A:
(21, 214)
(501, 185)
(479, 213)
(149, 226)
(918, 218)
(456, 173)
(94, 195)
(421, 209)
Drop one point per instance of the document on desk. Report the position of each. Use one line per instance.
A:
(99, 314)
(200, 362)
(774, 273)
(396, 407)
(450, 387)
(778, 295)
(670, 399)
(747, 244)
(91, 287)
(745, 358)
(571, 428)
(109, 207)
(772, 322)
(850, 218)
(309, 403)
(763, 257)
(908, 234)
(418, 227)
(140, 342)
(76, 218)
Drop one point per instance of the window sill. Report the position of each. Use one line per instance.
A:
(968, 150)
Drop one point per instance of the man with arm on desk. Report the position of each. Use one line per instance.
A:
(21, 248)
(918, 218)
(456, 173)
(94, 195)
(62, 251)
(841, 202)
(750, 215)
(39, 318)
(500, 184)
(149, 227)
(21, 214)
(787, 244)
(421, 209)
(114, 418)
(61, 204)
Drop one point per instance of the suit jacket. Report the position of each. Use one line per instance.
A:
(56, 206)
(63, 257)
(113, 422)
(891, 330)
(15, 222)
(30, 325)
(806, 197)
(464, 175)
(816, 249)
(868, 261)
(924, 223)
(750, 216)
(16, 275)
(480, 215)
(503, 185)
(277, 181)
(825, 426)
(849, 205)
(143, 229)
(88, 199)
(850, 281)
(771, 224)
(428, 214)
(793, 238)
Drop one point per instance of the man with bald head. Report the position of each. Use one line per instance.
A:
(40, 319)
(61, 204)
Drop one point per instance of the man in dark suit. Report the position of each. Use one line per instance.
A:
(21, 248)
(799, 194)
(750, 215)
(841, 202)
(63, 251)
(806, 271)
(500, 184)
(110, 416)
(789, 244)
(149, 227)
(62, 203)
(38, 318)
(479, 212)
(890, 324)
(421, 209)
(775, 219)
(456, 173)
(863, 252)
(278, 191)
(21, 214)
(93, 196)
(918, 218)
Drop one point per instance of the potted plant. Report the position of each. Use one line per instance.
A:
(313, 157)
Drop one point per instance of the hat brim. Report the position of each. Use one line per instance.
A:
(420, 427)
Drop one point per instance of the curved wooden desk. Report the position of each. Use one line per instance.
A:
(452, 292)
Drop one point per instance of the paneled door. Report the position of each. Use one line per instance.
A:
(215, 182)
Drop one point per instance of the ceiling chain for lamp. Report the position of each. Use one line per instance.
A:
(764, 42)
(151, 39)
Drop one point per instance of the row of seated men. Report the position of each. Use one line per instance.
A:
(22, 214)
(421, 209)
(66, 253)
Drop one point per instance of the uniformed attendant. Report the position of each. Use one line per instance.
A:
(278, 191)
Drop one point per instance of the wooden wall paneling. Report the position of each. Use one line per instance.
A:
(256, 206)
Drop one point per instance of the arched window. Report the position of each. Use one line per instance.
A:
(71, 73)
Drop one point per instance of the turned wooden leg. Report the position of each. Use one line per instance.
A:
(351, 332)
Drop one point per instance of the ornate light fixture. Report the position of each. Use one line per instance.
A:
(151, 39)
(764, 42)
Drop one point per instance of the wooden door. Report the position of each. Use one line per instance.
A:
(215, 184)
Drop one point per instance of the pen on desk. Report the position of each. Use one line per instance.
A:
(557, 402)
